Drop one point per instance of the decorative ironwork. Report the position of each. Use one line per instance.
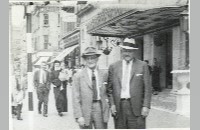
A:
(132, 23)
(106, 15)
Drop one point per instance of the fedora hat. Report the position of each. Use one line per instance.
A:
(89, 51)
(129, 43)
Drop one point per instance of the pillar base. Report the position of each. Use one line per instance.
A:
(182, 95)
(183, 104)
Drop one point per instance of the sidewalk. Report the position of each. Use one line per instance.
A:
(162, 119)
(52, 122)
(163, 115)
(158, 117)
(164, 100)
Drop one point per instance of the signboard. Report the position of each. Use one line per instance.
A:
(70, 40)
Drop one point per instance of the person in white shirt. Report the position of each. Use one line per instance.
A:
(129, 89)
(42, 85)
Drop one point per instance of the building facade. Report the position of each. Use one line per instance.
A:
(46, 33)
(46, 28)
(70, 39)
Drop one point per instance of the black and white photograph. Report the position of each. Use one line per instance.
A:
(99, 64)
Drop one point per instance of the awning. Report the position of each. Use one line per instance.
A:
(64, 53)
(133, 22)
(42, 59)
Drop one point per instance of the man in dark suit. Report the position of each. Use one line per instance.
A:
(59, 88)
(129, 89)
(90, 101)
(42, 84)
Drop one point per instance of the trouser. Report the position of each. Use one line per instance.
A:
(96, 117)
(43, 95)
(14, 110)
(19, 110)
(59, 99)
(127, 119)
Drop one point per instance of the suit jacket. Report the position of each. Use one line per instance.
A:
(54, 78)
(140, 90)
(36, 79)
(83, 96)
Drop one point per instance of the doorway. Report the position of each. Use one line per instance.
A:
(163, 53)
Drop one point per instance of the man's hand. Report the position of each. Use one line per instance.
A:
(145, 111)
(81, 121)
(113, 110)
(61, 87)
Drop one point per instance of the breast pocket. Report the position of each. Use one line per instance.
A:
(139, 76)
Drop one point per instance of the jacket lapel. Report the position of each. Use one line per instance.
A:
(100, 77)
(120, 72)
(86, 78)
(100, 82)
(134, 65)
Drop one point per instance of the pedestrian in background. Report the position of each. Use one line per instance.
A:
(156, 70)
(149, 67)
(90, 102)
(42, 85)
(70, 73)
(59, 79)
(64, 77)
(129, 89)
(18, 94)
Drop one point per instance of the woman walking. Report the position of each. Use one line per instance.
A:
(59, 79)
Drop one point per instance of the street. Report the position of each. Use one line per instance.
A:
(158, 117)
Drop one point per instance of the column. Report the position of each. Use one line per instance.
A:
(175, 55)
(148, 48)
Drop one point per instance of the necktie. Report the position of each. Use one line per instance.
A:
(94, 86)
(125, 76)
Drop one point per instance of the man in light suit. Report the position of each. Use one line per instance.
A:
(42, 85)
(129, 89)
(90, 101)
